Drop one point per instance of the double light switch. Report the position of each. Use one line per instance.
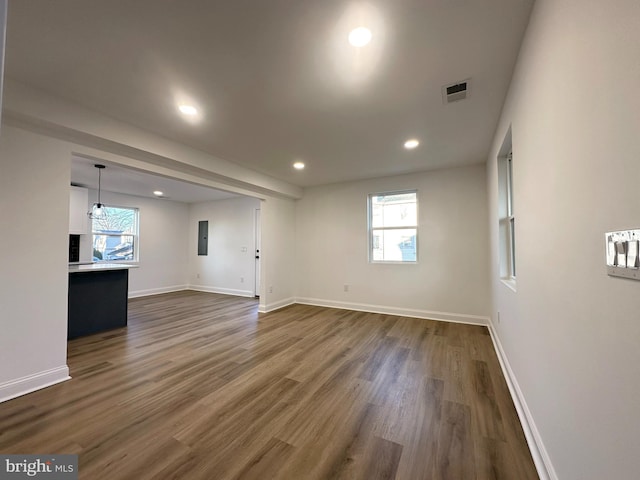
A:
(623, 250)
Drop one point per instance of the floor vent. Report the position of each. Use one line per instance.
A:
(455, 92)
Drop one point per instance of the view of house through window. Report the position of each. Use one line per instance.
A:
(115, 234)
(393, 227)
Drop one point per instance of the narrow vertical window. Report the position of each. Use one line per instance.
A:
(511, 217)
(507, 218)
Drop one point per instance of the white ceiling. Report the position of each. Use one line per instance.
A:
(277, 80)
(120, 179)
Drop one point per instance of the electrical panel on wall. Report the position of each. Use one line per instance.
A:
(622, 253)
(203, 234)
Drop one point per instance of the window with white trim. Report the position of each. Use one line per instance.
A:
(507, 218)
(115, 234)
(393, 227)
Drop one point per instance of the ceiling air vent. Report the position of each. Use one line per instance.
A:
(455, 92)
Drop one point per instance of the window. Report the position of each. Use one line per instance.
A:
(115, 234)
(393, 227)
(507, 219)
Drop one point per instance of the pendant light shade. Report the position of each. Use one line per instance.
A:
(98, 210)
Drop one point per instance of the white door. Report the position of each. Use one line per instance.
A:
(257, 252)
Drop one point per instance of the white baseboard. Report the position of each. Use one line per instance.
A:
(157, 291)
(401, 312)
(31, 383)
(224, 291)
(536, 446)
(276, 305)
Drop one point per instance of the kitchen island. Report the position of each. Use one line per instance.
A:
(98, 294)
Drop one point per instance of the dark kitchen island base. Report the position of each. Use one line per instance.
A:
(97, 301)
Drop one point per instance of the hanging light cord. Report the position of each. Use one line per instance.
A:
(99, 186)
(97, 207)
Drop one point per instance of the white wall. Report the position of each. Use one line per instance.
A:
(163, 260)
(34, 220)
(227, 268)
(570, 333)
(451, 276)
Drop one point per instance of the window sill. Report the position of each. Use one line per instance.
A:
(128, 262)
(510, 283)
(379, 262)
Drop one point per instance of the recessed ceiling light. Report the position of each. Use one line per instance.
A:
(189, 110)
(360, 37)
(411, 144)
(298, 165)
(158, 193)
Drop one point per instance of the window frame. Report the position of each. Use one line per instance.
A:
(371, 228)
(507, 222)
(511, 219)
(136, 236)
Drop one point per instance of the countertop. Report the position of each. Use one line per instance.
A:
(98, 267)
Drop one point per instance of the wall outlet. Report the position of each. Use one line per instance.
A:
(244, 249)
(241, 279)
(270, 289)
(197, 275)
(346, 287)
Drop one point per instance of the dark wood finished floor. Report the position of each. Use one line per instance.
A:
(199, 386)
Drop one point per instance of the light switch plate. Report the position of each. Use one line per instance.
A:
(621, 252)
(633, 273)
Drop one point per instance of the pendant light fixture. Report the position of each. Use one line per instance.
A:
(98, 209)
